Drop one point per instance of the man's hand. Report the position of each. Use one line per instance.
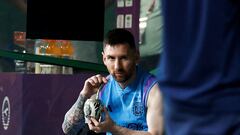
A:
(108, 125)
(100, 127)
(92, 84)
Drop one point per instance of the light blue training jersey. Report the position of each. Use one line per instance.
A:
(127, 107)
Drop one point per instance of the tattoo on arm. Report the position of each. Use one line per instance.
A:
(74, 118)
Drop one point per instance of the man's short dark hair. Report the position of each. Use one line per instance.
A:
(119, 36)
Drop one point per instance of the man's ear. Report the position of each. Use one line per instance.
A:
(103, 58)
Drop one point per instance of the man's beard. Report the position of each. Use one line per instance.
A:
(123, 78)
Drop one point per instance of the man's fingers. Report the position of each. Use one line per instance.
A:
(90, 124)
(99, 78)
(91, 82)
(95, 122)
(95, 79)
(94, 125)
(104, 80)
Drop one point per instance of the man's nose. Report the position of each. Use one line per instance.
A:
(117, 64)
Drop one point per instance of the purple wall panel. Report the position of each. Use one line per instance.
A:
(10, 88)
(38, 103)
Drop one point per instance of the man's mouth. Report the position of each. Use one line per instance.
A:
(119, 74)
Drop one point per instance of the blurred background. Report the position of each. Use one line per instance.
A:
(48, 49)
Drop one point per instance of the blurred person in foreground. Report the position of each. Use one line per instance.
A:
(199, 73)
(131, 96)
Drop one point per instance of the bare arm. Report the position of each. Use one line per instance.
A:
(154, 118)
(74, 119)
(155, 111)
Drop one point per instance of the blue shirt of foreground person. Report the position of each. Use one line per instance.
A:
(132, 96)
(199, 73)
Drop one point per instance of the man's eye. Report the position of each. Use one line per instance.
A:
(124, 58)
(110, 58)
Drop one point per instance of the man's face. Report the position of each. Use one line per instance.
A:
(120, 61)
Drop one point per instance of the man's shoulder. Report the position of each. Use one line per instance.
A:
(147, 75)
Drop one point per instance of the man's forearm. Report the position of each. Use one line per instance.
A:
(74, 118)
